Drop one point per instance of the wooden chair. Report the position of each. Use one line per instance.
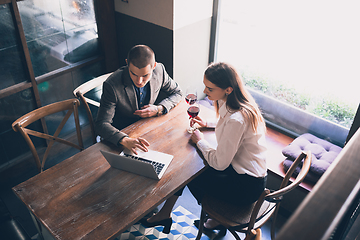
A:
(254, 235)
(71, 106)
(81, 90)
(246, 219)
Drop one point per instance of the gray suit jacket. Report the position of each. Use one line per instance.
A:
(118, 101)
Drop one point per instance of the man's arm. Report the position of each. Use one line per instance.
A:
(106, 112)
(150, 111)
(103, 123)
(168, 88)
(171, 89)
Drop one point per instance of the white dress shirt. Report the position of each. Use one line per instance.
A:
(238, 145)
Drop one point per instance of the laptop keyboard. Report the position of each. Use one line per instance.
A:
(157, 165)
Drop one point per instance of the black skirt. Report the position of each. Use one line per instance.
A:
(227, 185)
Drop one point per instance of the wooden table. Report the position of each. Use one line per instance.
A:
(84, 198)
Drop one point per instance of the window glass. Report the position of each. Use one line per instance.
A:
(58, 32)
(49, 93)
(12, 65)
(303, 53)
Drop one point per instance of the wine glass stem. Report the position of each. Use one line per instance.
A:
(191, 129)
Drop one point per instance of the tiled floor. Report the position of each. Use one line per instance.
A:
(182, 228)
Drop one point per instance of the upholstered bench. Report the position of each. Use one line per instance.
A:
(323, 154)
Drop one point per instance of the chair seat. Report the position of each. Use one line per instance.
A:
(233, 215)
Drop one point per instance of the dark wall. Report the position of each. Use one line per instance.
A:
(132, 31)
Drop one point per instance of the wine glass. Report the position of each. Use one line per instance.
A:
(191, 95)
(193, 110)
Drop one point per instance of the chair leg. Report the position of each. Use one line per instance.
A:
(201, 224)
(258, 234)
(272, 231)
(254, 235)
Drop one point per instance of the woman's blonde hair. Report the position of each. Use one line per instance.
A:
(224, 75)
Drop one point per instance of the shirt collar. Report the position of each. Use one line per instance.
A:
(144, 88)
(222, 108)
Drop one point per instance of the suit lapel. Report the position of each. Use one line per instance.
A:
(153, 86)
(130, 90)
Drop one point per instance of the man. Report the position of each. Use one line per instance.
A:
(130, 93)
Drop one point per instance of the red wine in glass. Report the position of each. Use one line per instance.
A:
(191, 98)
(193, 111)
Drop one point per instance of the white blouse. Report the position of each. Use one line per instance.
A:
(238, 145)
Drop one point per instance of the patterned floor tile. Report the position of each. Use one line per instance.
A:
(181, 229)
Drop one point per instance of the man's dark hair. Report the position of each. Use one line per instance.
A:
(141, 56)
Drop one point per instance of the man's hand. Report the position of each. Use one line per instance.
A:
(148, 111)
(133, 143)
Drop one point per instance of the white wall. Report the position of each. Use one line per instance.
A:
(192, 26)
(187, 12)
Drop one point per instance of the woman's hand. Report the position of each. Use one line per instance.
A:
(197, 136)
(133, 143)
(198, 120)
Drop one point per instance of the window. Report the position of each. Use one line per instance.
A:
(12, 69)
(47, 49)
(302, 54)
(58, 33)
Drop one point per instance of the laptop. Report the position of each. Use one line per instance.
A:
(151, 164)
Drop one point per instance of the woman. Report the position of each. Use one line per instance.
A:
(237, 171)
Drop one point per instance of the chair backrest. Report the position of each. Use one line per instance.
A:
(81, 90)
(71, 106)
(285, 187)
